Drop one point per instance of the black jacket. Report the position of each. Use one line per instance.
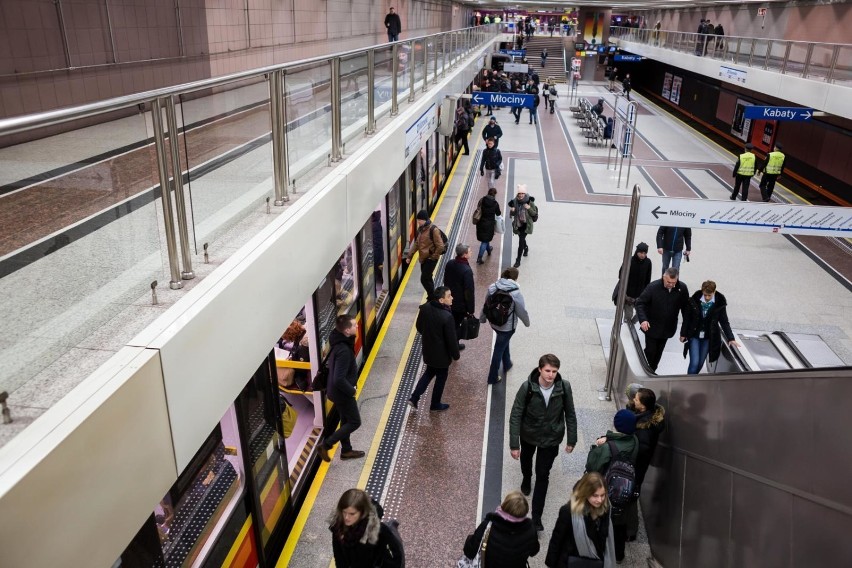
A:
(509, 545)
(458, 277)
(649, 425)
(673, 238)
(342, 370)
(639, 277)
(492, 132)
(563, 543)
(393, 23)
(385, 552)
(438, 330)
(487, 221)
(491, 159)
(659, 307)
(693, 323)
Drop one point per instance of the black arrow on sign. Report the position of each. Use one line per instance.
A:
(656, 212)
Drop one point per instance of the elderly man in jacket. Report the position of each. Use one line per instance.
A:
(430, 246)
(342, 381)
(440, 346)
(657, 309)
(542, 413)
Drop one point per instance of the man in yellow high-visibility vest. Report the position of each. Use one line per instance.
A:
(743, 172)
(771, 169)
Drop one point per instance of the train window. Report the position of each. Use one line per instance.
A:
(337, 295)
(395, 244)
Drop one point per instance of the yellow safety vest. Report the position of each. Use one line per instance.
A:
(746, 165)
(776, 160)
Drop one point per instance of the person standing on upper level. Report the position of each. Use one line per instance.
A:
(743, 172)
(670, 242)
(393, 25)
(772, 168)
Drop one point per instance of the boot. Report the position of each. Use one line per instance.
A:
(479, 260)
(517, 262)
(526, 250)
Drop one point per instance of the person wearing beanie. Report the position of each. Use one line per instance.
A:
(600, 456)
(429, 243)
(492, 130)
(743, 172)
(638, 278)
(771, 168)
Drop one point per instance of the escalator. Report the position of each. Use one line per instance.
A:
(753, 469)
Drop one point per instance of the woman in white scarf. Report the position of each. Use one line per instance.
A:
(583, 536)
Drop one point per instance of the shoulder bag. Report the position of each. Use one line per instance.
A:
(477, 215)
(478, 560)
(499, 225)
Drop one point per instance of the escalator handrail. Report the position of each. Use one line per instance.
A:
(736, 356)
(793, 347)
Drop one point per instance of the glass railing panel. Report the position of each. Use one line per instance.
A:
(308, 94)
(80, 249)
(403, 69)
(419, 66)
(353, 97)
(383, 89)
(227, 151)
(820, 62)
(759, 55)
(842, 73)
(797, 58)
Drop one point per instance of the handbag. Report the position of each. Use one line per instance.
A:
(477, 215)
(499, 225)
(469, 328)
(288, 418)
(476, 561)
(583, 562)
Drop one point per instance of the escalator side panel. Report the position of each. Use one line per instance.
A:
(662, 503)
(820, 532)
(706, 515)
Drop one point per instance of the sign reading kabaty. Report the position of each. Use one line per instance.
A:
(738, 216)
(514, 52)
(628, 58)
(779, 113)
(503, 99)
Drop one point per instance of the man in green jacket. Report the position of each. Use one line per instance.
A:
(542, 412)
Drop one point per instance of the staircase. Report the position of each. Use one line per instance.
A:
(555, 64)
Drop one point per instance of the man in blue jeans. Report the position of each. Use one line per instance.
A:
(670, 243)
(508, 291)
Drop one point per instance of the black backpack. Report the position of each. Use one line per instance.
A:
(498, 307)
(392, 554)
(621, 479)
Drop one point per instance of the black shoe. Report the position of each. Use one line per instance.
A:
(526, 251)
(517, 263)
(461, 346)
(412, 403)
(538, 526)
(517, 122)
(440, 408)
(733, 198)
(323, 452)
(526, 486)
(351, 454)
(480, 261)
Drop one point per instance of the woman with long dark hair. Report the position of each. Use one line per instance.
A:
(359, 538)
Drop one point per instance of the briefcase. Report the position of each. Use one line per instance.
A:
(469, 328)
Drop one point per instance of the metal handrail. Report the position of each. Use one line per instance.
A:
(727, 37)
(23, 123)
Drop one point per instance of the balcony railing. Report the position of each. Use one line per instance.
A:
(827, 62)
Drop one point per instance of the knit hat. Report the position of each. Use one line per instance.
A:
(493, 119)
(422, 215)
(642, 247)
(749, 146)
(779, 146)
(624, 421)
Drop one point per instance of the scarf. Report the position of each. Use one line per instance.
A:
(506, 516)
(705, 307)
(522, 211)
(350, 536)
(585, 546)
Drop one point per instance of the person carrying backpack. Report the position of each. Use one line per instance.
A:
(542, 416)
(430, 242)
(503, 307)
(619, 470)
(524, 213)
(462, 128)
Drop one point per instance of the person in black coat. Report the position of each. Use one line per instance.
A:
(512, 538)
(628, 85)
(657, 308)
(440, 346)
(458, 277)
(639, 276)
(670, 243)
(705, 312)
(492, 130)
(359, 538)
(393, 25)
(487, 222)
(342, 381)
(650, 423)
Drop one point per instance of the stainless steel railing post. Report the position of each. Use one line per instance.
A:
(175, 282)
(371, 92)
(395, 79)
(807, 66)
(64, 33)
(786, 57)
(111, 34)
(278, 137)
(412, 65)
(434, 62)
(835, 54)
(336, 123)
(180, 203)
(425, 65)
(444, 58)
(606, 391)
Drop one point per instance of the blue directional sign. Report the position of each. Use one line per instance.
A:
(628, 57)
(779, 113)
(515, 52)
(503, 99)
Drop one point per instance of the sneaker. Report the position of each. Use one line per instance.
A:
(323, 452)
(526, 486)
(538, 526)
(440, 408)
(412, 403)
(352, 454)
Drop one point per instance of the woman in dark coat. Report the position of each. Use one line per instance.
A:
(583, 529)
(359, 538)
(638, 277)
(487, 222)
(705, 311)
(512, 538)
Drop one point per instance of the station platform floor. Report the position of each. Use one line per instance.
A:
(439, 473)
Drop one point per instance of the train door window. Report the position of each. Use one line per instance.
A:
(432, 169)
(395, 220)
(379, 225)
(337, 295)
(442, 159)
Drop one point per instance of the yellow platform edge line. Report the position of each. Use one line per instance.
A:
(319, 479)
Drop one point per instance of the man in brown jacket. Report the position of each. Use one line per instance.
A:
(430, 246)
